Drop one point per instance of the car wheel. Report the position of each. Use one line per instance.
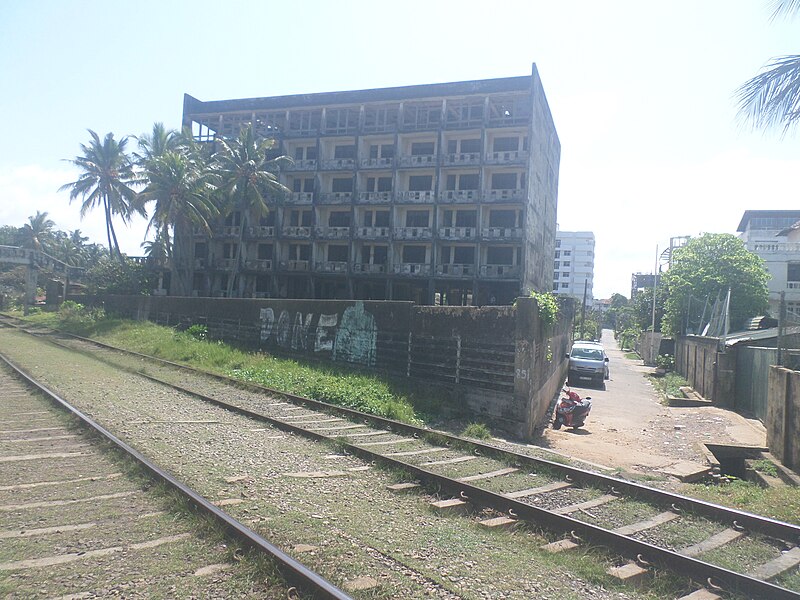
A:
(557, 424)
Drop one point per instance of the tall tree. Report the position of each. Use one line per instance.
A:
(708, 266)
(155, 144)
(248, 180)
(772, 98)
(37, 233)
(181, 189)
(106, 179)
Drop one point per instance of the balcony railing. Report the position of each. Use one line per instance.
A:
(336, 198)
(418, 160)
(336, 233)
(262, 231)
(374, 197)
(413, 233)
(502, 233)
(462, 158)
(793, 285)
(295, 265)
(510, 157)
(225, 264)
(413, 269)
(415, 197)
(504, 195)
(377, 163)
(308, 164)
(299, 198)
(259, 264)
(231, 230)
(294, 231)
(332, 164)
(500, 271)
(455, 270)
(773, 247)
(457, 233)
(373, 233)
(331, 266)
(460, 196)
(368, 269)
(200, 263)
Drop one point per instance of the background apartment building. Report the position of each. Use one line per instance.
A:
(442, 193)
(770, 235)
(573, 265)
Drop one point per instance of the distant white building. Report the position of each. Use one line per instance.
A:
(772, 235)
(573, 266)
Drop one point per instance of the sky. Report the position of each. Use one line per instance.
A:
(642, 95)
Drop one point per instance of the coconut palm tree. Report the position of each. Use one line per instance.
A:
(772, 98)
(106, 179)
(155, 144)
(182, 190)
(37, 233)
(248, 182)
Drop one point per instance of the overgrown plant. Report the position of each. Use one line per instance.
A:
(548, 307)
(476, 430)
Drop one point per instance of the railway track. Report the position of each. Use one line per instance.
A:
(61, 495)
(649, 526)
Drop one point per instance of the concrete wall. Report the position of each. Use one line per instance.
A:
(710, 372)
(498, 363)
(783, 416)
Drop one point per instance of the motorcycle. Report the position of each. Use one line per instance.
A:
(571, 411)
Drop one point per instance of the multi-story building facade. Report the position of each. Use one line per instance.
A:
(770, 235)
(433, 193)
(573, 265)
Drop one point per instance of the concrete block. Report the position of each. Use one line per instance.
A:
(629, 573)
(560, 545)
(402, 487)
(701, 594)
(499, 523)
(687, 471)
(451, 505)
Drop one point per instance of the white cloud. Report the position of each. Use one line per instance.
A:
(30, 188)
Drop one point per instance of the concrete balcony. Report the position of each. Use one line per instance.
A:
(260, 264)
(368, 269)
(294, 265)
(338, 164)
(460, 196)
(413, 233)
(231, 230)
(200, 263)
(501, 233)
(373, 233)
(262, 231)
(793, 285)
(500, 271)
(504, 195)
(462, 158)
(425, 197)
(506, 158)
(375, 197)
(299, 198)
(377, 163)
(333, 233)
(336, 198)
(453, 270)
(224, 264)
(294, 231)
(458, 233)
(412, 269)
(330, 266)
(309, 164)
(418, 160)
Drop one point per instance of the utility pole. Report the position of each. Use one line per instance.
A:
(655, 289)
(781, 326)
(583, 308)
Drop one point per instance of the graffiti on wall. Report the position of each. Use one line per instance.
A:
(353, 339)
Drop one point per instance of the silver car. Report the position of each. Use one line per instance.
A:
(587, 363)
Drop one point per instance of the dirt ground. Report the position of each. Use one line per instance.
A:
(630, 429)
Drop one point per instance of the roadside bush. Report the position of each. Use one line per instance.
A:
(198, 332)
(476, 430)
(665, 361)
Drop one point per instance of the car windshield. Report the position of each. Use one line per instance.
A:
(587, 353)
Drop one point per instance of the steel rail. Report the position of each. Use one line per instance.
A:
(752, 522)
(293, 571)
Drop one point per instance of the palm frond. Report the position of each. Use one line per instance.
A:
(772, 98)
(784, 8)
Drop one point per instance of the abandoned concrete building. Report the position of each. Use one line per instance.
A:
(439, 194)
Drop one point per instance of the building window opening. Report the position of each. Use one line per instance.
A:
(342, 184)
(339, 218)
(420, 183)
(414, 254)
(417, 218)
(500, 255)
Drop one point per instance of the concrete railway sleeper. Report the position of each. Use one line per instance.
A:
(319, 425)
(296, 575)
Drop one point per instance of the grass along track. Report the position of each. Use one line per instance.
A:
(419, 454)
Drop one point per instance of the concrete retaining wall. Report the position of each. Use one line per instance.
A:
(710, 372)
(498, 363)
(783, 416)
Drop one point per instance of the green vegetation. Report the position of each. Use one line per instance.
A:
(548, 306)
(669, 384)
(765, 466)
(369, 393)
(665, 361)
(476, 430)
(782, 503)
(632, 356)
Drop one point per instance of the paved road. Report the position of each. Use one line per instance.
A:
(629, 428)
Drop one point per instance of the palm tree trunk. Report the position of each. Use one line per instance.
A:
(235, 271)
(108, 225)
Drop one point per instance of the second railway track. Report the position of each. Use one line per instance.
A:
(643, 523)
